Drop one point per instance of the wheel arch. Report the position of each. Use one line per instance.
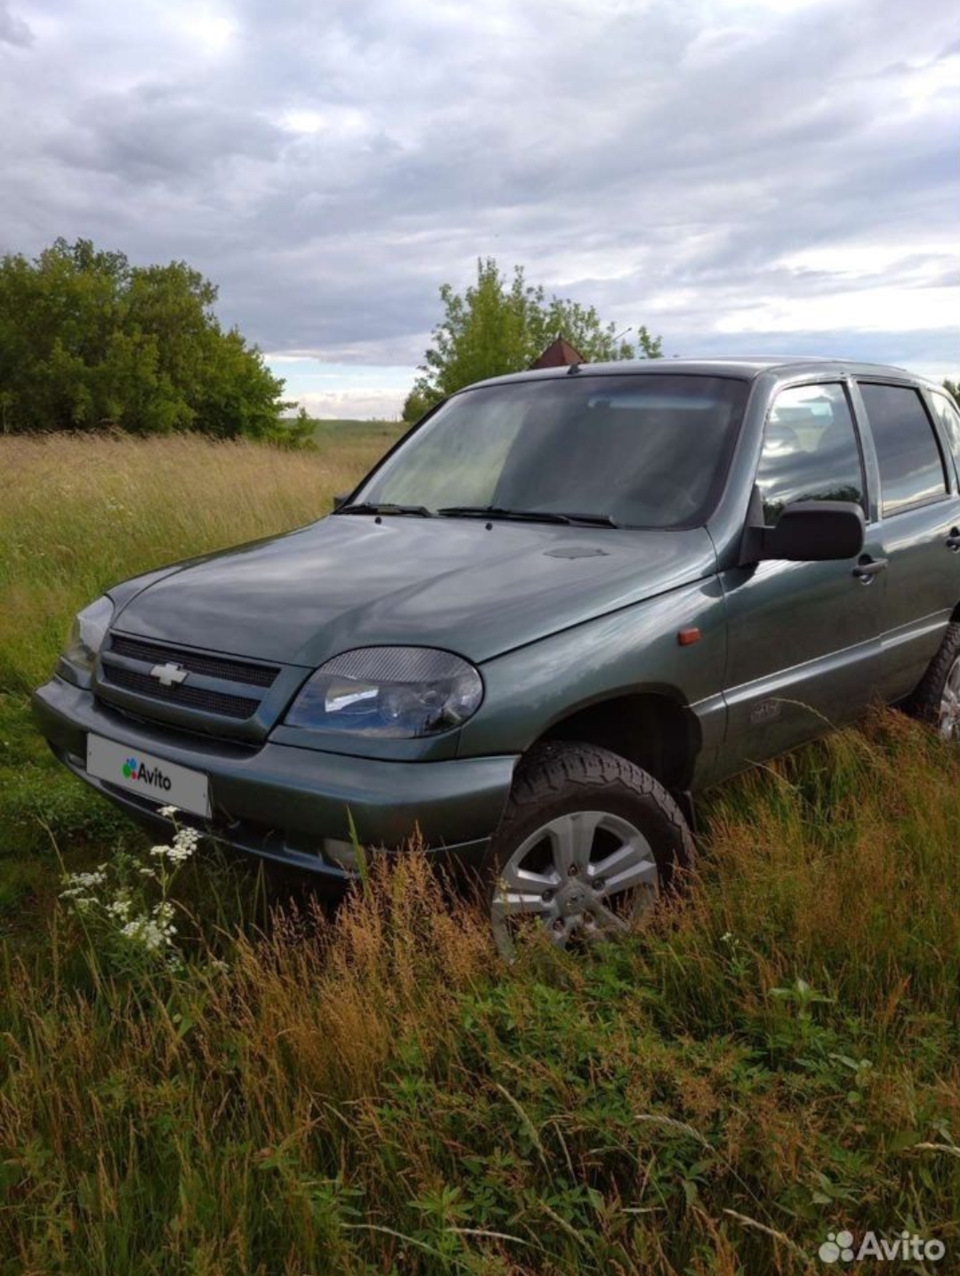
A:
(653, 728)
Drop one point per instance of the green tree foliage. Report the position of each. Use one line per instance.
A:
(89, 342)
(497, 326)
(953, 388)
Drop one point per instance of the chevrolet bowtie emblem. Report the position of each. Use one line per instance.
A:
(169, 675)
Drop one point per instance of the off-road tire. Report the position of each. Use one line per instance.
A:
(560, 778)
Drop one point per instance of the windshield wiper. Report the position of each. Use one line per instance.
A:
(527, 516)
(590, 520)
(368, 507)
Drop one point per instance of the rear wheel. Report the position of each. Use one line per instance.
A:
(587, 845)
(937, 698)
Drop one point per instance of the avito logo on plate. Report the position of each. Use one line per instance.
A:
(134, 770)
(158, 780)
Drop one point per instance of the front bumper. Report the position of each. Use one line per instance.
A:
(283, 803)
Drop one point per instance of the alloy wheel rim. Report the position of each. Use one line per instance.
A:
(587, 874)
(950, 704)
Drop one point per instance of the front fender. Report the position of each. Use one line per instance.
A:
(630, 651)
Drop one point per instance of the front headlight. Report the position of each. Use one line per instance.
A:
(87, 634)
(391, 692)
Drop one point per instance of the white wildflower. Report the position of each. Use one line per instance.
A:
(163, 913)
(168, 811)
(181, 849)
(79, 883)
(152, 932)
(143, 931)
(119, 907)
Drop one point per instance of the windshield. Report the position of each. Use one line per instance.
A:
(646, 450)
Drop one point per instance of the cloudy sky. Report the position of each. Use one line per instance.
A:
(739, 175)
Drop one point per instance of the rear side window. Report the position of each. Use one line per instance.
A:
(949, 417)
(810, 450)
(911, 467)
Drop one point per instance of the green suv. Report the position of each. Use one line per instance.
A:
(562, 604)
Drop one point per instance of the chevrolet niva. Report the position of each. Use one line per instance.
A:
(563, 603)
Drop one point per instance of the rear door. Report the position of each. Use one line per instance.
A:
(804, 638)
(947, 417)
(919, 529)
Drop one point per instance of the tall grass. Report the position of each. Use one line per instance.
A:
(374, 1091)
(78, 514)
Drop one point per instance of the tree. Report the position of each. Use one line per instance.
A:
(953, 389)
(88, 341)
(494, 328)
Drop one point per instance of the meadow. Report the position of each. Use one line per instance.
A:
(373, 1090)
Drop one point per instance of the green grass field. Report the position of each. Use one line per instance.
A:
(375, 1092)
(346, 433)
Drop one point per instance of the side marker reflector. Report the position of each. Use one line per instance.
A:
(687, 636)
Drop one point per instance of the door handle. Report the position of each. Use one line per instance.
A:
(867, 568)
(953, 540)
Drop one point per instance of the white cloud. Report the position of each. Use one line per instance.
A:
(853, 259)
(384, 405)
(879, 309)
(764, 170)
(207, 31)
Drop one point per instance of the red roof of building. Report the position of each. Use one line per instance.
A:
(558, 354)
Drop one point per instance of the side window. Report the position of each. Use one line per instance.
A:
(911, 467)
(949, 417)
(810, 450)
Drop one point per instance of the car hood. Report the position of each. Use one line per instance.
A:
(351, 581)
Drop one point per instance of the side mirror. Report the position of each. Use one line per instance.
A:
(815, 532)
(339, 499)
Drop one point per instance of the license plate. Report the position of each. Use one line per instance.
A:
(148, 776)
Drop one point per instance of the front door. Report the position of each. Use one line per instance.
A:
(804, 638)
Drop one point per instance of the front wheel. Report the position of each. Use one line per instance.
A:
(588, 843)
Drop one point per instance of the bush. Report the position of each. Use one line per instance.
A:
(89, 342)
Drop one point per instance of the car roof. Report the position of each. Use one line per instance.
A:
(745, 367)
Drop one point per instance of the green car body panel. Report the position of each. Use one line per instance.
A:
(575, 630)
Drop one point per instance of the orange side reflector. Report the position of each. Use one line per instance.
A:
(687, 636)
